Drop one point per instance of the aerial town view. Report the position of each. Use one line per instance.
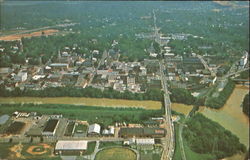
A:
(124, 80)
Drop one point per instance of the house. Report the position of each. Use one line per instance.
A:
(21, 76)
(50, 128)
(71, 147)
(94, 129)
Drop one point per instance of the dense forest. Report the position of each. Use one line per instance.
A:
(206, 136)
(212, 28)
(180, 95)
(245, 105)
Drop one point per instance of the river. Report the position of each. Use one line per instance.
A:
(230, 116)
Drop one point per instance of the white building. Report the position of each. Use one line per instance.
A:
(21, 76)
(110, 131)
(145, 141)
(71, 146)
(94, 129)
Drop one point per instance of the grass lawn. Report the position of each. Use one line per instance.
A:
(5, 150)
(154, 154)
(181, 108)
(109, 144)
(91, 148)
(81, 128)
(116, 154)
(102, 102)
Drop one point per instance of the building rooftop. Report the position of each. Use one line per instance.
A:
(145, 141)
(94, 128)
(51, 125)
(71, 145)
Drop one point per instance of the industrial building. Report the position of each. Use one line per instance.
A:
(50, 128)
(71, 147)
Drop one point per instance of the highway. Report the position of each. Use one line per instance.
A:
(168, 140)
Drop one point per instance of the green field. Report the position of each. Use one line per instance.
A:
(91, 148)
(116, 154)
(109, 144)
(104, 116)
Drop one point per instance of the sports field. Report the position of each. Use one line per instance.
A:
(116, 154)
(102, 102)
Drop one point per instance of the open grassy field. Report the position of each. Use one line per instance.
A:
(230, 116)
(102, 102)
(116, 154)
(181, 108)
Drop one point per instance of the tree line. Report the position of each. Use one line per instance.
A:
(206, 136)
(245, 105)
(150, 94)
(219, 101)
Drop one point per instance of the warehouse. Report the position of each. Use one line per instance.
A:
(50, 128)
(71, 147)
(142, 132)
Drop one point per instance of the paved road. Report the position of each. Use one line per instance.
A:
(169, 146)
(168, 141)
(213, 72)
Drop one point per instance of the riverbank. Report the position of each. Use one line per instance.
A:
(231, 116)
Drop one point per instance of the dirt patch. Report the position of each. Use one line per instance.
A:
(28, 35)
(38, 149)
(102, 102)
(16, 149)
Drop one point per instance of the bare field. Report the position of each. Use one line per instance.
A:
(103, 102)
(28, 35)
